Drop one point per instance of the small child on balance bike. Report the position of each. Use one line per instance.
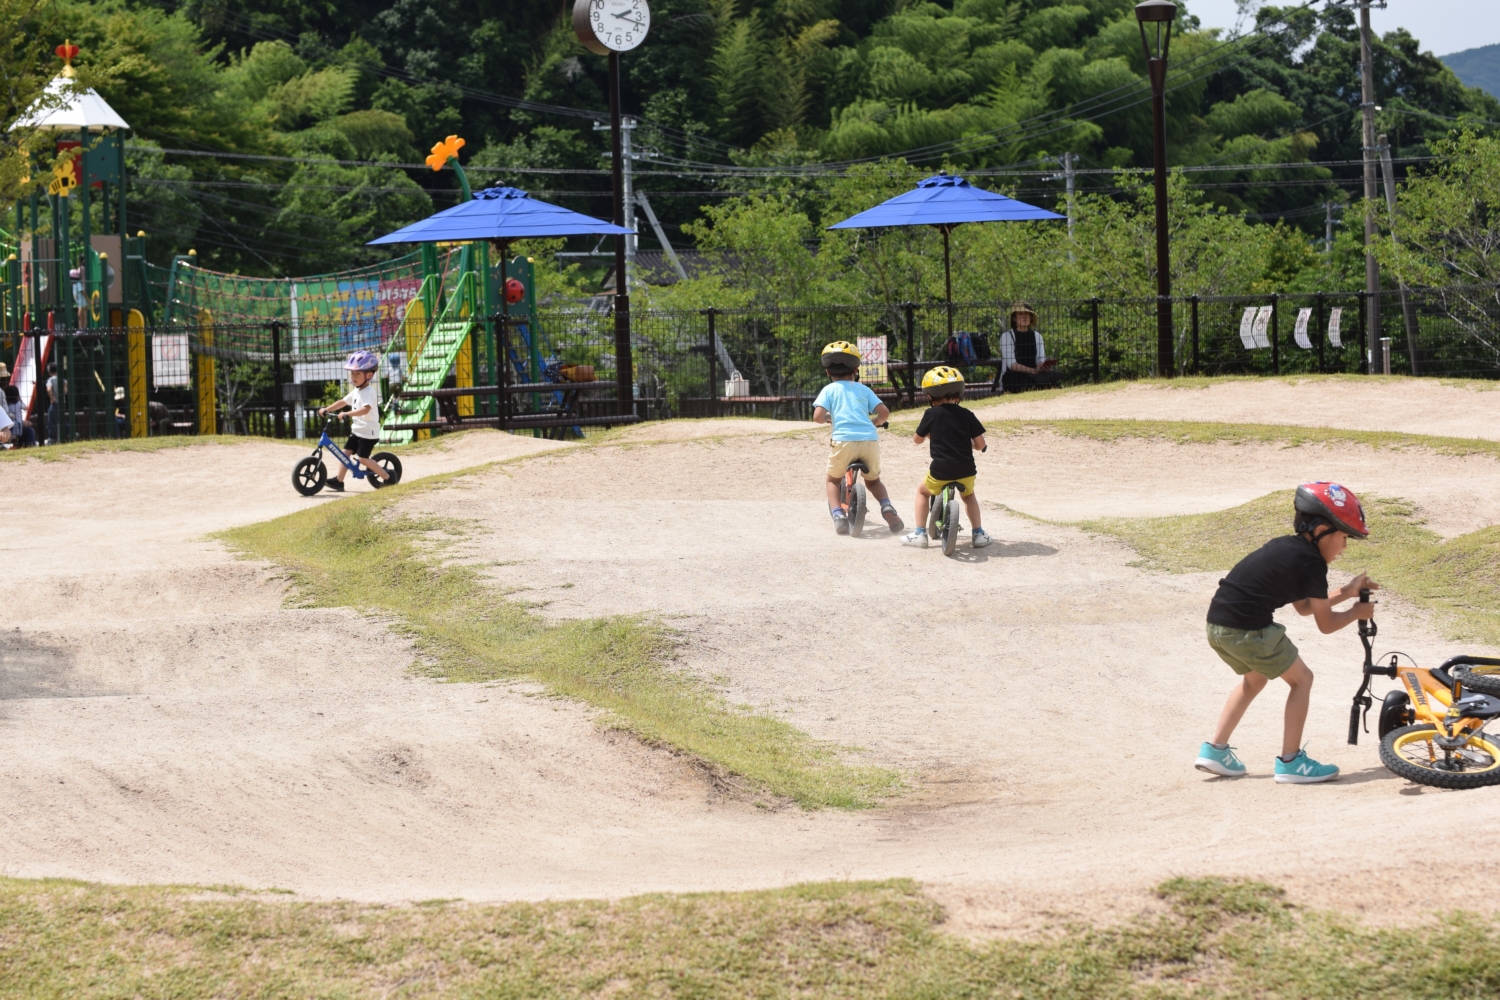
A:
(363, 404)
(849, 407)
(955, 435)
(1292, 569)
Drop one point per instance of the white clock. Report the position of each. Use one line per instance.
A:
(605, 26)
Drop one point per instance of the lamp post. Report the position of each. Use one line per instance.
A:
(1160, 14)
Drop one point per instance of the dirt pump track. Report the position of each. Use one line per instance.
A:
(166, 717)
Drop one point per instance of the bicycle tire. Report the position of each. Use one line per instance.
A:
(1479, 679)
(392, 466)
(859, 505)
(950, 530)
(934, 519)
(309, 476)
(1401, 754)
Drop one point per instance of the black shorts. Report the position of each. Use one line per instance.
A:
(357, 445)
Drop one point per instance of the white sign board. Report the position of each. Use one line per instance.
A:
(1262, 324)
(1303, 315)
(1247, 328)
(171, 364)
(1335, 321)
(872, 359)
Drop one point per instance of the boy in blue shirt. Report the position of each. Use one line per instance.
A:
(849, 407)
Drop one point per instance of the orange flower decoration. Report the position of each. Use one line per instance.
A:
(445, 151)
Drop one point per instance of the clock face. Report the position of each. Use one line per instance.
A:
(620, 25)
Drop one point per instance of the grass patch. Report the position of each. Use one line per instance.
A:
(1217, 938)
(360, 553)
(1208, 432)
(1287, 435)
(1458, 579)
(78, 449)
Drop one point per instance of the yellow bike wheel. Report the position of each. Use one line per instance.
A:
(1413, 753)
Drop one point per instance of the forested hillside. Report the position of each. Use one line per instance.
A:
(800, 89)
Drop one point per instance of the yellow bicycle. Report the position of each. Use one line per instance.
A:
(1431, 728)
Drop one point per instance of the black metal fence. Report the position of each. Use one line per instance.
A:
(684, 362)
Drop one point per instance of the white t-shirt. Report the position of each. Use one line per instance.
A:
(5, 421)
(367, 426)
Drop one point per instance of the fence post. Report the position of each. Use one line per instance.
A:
(1320, 334)
(1194, 301)
(276, 378)
(1094, 303)
(713, 364)
(1275, 339)
(1365, 366)
(911, 355)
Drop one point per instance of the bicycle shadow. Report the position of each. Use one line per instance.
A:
(997, 549)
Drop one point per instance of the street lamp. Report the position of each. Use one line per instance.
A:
(1160, 14)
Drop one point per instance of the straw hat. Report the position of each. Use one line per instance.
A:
(1023, 307)
(4, 371)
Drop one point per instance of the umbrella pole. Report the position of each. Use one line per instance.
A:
(947, 277)
(502, 339)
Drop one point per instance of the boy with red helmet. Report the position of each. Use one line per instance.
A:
(1292, 569)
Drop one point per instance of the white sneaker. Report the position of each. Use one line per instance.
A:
(917, 538)
(981, 538)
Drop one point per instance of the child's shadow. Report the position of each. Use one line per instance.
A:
(1001, 550)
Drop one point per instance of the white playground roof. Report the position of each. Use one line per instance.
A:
(81, 107)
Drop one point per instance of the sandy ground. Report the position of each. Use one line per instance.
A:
(164, 718)
(1414, 406)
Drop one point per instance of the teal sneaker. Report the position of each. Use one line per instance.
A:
(1303, 770)
(1221, 762)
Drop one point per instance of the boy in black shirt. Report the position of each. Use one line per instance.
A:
(1291, 570)
(955, 435)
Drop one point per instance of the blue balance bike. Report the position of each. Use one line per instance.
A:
(310, 475)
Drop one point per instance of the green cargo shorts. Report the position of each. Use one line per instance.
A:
(1266, 651)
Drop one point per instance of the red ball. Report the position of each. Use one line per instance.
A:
(514, 291)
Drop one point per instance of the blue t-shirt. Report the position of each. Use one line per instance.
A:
(850, 403)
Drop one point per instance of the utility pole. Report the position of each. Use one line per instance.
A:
(1066, 161)
(1327, 228)
(1368, 108)
(1408, 310)
(627, 180)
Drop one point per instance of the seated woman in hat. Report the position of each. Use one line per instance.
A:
(1023, 359)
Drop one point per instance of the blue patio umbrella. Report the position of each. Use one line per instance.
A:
(501, 213)
(945, 200)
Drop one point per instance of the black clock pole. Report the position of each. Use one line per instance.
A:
(624, 364)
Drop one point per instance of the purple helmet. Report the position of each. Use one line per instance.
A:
(361, 361)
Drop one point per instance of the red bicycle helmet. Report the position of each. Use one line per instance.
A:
(1334, 504)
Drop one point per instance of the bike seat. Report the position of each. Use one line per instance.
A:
(1478, 706)
(859, 464)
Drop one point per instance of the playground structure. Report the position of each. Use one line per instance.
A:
(78, 292)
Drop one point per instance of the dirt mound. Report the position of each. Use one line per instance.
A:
(164, 718)
(1414, 406)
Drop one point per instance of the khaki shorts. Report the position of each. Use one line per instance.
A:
(841, 453)
(935, 486)
(1265, 651)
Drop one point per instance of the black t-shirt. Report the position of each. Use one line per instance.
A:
(950, 430)
(1283, 570)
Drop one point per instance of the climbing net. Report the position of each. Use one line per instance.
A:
(320, 318)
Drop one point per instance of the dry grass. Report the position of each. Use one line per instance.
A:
(1217, 938)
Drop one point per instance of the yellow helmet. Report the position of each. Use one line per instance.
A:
(841, 354)
(943, 381)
